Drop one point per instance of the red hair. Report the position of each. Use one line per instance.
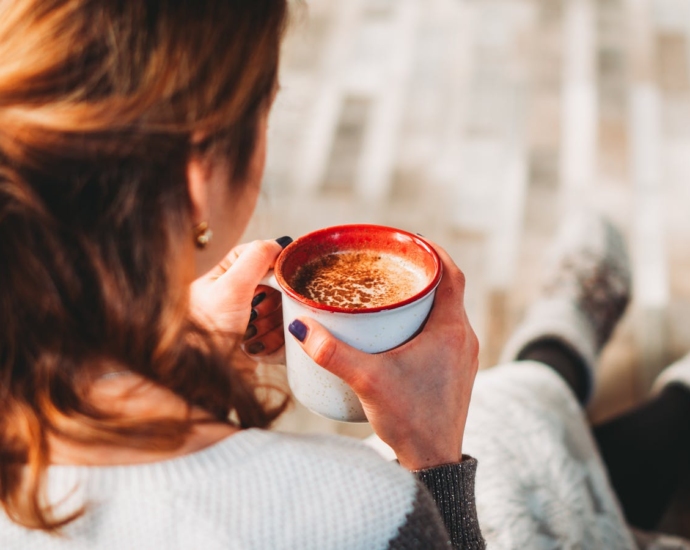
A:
(99, 101)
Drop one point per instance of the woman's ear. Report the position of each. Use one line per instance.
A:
(197, 185)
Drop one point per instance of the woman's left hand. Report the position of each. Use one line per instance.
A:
(230, 299)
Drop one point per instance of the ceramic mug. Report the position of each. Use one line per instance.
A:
(371, 330)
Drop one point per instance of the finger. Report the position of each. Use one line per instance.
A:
(266, 301)
(227, 261)
(266, 344)
(330, 353)
(448, 266)
(449, 301)
(250, 266)
(275, 358)
(259, 327)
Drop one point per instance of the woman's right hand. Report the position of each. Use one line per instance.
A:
(416, 396)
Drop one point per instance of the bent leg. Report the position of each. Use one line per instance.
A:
(561, 359)
(646, 450)
(540, 481)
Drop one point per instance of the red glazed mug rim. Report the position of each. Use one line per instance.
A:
(352, 228)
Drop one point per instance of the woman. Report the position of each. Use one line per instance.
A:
(132, 145)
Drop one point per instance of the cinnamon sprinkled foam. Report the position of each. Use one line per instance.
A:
(359, 280)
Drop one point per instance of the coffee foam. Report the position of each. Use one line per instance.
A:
(359, 279)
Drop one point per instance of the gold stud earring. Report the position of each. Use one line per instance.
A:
(202, 235)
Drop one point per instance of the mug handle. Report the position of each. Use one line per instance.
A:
(270, 280)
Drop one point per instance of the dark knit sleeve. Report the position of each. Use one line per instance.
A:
(452, 488)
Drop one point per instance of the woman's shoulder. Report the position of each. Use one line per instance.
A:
(247, 453)
(321, 443)
(315, 487)
(330, 453)
(255, 488)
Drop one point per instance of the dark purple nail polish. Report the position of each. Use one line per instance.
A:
(250, 332)
(253, 315)
(258, 299)
(255, 347)
(284, 241)
(298, 329)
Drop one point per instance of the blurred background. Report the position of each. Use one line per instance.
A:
(479, 124)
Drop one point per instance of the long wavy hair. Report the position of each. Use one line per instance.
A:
(99, 104)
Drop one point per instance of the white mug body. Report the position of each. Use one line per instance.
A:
(321, 391)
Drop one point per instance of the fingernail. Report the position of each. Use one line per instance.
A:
(258, 299)
(250, 332)
(253, 315)
(284, 241)
(255, 347)
(298, 329)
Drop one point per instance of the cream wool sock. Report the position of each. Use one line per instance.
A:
(585, 292)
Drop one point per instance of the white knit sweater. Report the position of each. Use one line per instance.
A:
(256, 489)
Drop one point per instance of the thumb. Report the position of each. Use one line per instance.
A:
(251, 265)
(329, 352)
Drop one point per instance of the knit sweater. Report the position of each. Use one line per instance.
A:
(261, 490)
